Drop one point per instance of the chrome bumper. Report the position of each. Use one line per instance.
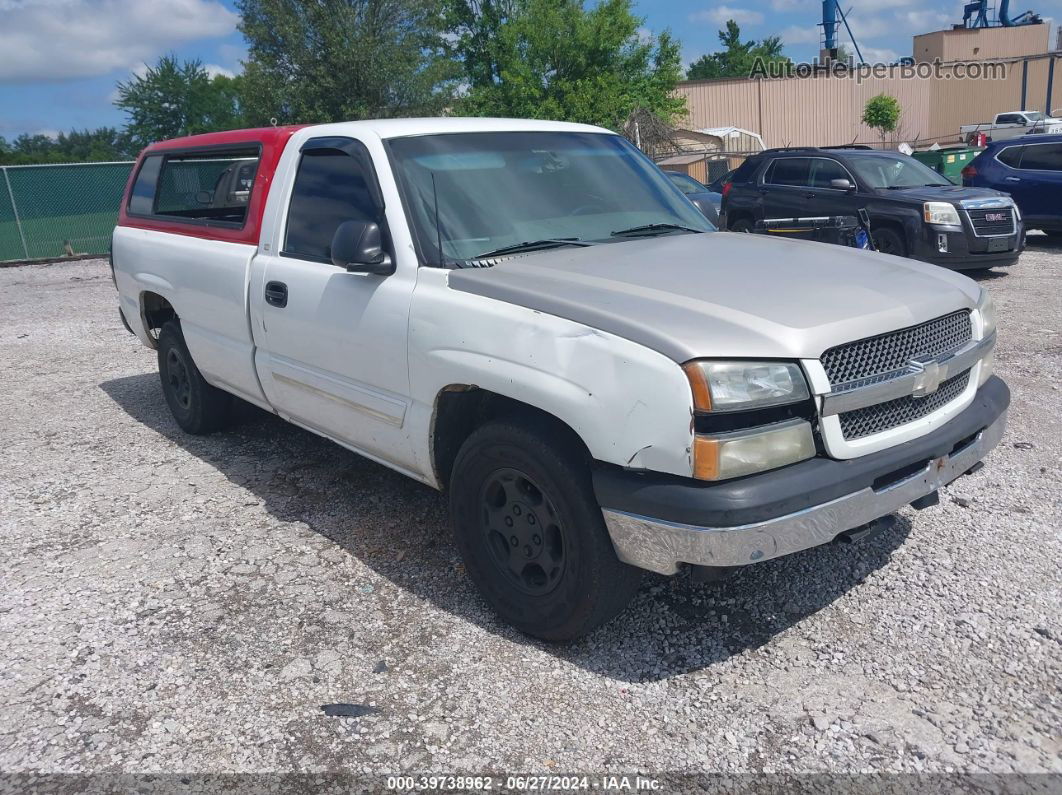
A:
(661, 546)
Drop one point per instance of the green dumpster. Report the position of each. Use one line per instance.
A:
(949, 162)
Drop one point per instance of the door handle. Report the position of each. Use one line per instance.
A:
(1012, 179)
(809, 195)
(276, 294)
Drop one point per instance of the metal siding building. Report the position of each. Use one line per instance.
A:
(827, 110)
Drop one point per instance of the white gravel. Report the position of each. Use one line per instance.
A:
(181, 604)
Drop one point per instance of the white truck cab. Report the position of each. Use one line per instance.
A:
(1012, 124)
(530, 316)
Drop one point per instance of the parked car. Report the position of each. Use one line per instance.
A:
(914, 212)
(1030, 171)
(528, 315)
(718, 185)
(1012, 124)
(702, 198)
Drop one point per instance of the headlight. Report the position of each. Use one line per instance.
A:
(739, 386)
(986, 308)
(730, 455)
(941, 213)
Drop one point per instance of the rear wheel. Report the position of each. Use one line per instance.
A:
(198, 407)
(888, 241)
(741, 225)
(531, 533)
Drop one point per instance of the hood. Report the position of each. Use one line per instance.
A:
(946, 193)
(725, 294)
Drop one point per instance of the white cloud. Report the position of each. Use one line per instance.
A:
(644, 35)
(868, 27)
(795, 34)
(878, 55)
(790, 5)
(214, 70)
(65, 39)
(720, 14)
(925, 21)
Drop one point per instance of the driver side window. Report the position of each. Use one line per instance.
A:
(330, 187)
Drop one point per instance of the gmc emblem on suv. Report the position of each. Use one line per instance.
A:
(995, 216)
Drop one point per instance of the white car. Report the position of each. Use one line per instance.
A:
(1012, 124)
(532, 317)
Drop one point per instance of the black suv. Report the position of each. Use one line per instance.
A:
(914, 211)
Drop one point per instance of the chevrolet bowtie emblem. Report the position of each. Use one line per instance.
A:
(927, 377)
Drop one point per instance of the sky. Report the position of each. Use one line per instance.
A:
(60, 59)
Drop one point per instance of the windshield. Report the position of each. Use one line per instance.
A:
(1035, 116)
(899, 171)
(494, 190)
(684, 183)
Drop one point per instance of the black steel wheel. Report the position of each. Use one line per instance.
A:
(531, 533)
(741, 224)
(523, 531)
(177, 378)
(889, 241)
(197, 406)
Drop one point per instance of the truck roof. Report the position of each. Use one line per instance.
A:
(383, 128)
(271, 143)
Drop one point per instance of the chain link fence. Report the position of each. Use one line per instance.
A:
(59, 210)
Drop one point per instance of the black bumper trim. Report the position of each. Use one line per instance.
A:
(758, 498)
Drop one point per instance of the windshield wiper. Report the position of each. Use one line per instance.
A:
(534, 245)
(650, 229)
(925, 185)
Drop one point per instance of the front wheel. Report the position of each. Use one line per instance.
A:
(743, 225)
(531, 533)
(889, 241)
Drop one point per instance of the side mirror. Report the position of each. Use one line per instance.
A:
(357, 246)
(842, 184)
(1023, 121)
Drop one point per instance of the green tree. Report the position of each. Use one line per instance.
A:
(556, 59)
(737, 57)
(882, 113)
(333, 60)
(172, 99)
(76, 146)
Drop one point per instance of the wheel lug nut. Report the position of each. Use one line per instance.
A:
(530, 518)
(516, 510)
(508, 521)
(527, 551)
(514, 541)
(536, 540)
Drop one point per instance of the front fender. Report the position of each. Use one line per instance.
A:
(631, 406)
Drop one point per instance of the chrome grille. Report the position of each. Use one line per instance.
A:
(886, 353)
(883, 416)
(992, 221)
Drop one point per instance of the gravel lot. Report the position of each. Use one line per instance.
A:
(181, 604)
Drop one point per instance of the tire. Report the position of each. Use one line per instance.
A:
(741, 224)
(557, 584)
(888, 241)
(198, 407)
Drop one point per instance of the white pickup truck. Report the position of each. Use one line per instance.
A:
(532, 317)
(1012, 124)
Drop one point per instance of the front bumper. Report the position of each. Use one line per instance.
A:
(966, 250)
(765, 516)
